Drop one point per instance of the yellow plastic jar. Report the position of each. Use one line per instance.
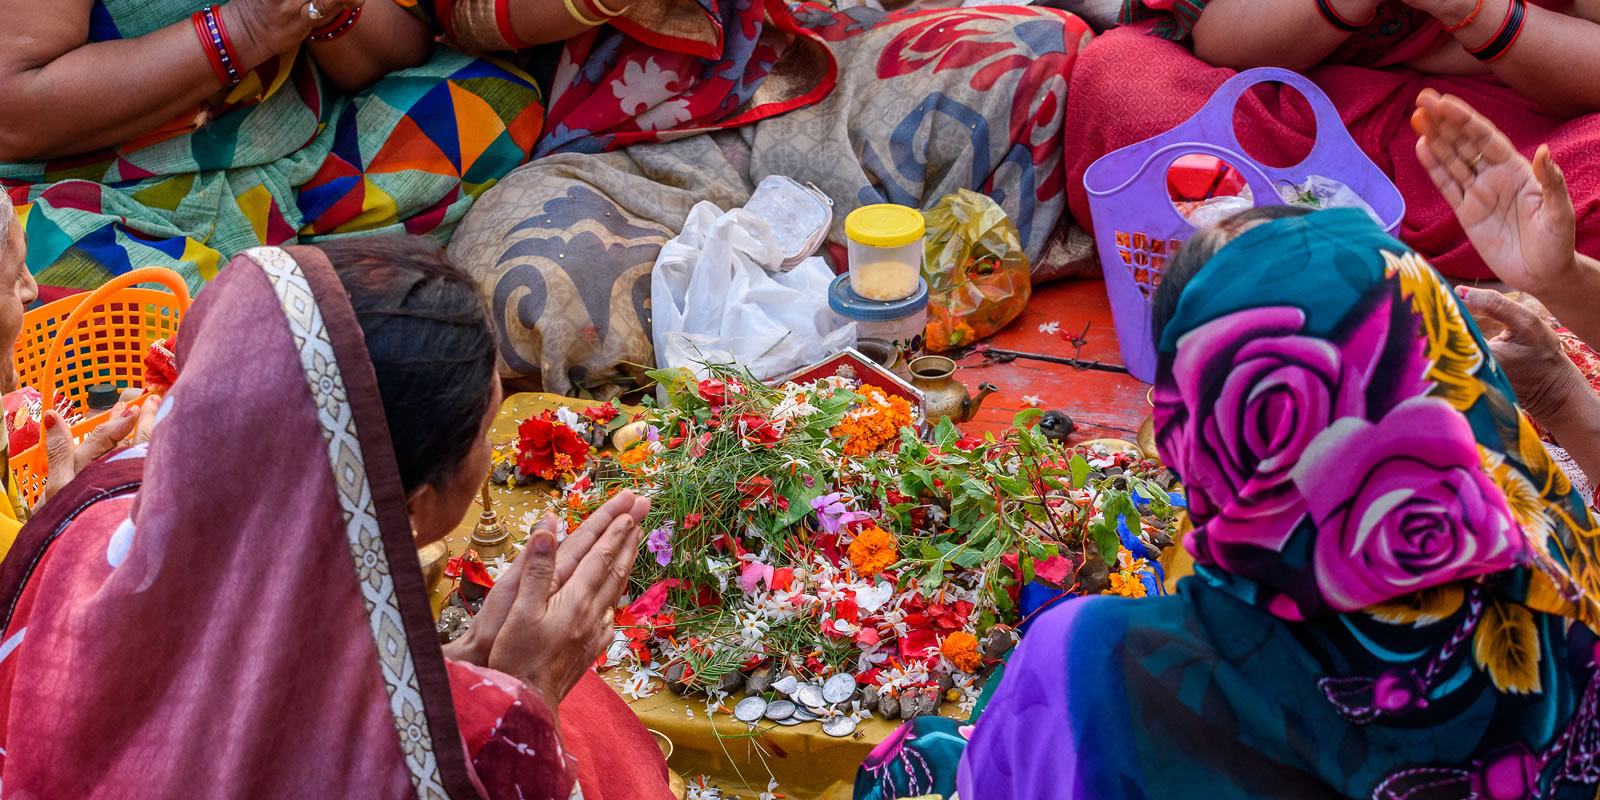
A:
(885, 246)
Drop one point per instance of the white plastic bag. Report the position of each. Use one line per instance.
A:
(714, 300)
(1323, 192)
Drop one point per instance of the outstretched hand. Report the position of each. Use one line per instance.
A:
(1517, 214)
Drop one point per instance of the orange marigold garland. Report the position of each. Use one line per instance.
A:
(874, 423)
(962, 650)
(873, 551)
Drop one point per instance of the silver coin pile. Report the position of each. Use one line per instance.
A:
(807, 702)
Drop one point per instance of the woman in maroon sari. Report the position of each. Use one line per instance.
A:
(236, 609)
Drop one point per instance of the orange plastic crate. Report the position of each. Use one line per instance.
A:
(97, 337)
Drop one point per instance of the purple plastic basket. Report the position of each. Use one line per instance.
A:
(1136, 227)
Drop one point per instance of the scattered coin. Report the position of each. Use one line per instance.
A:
(806, 715)
(839, 688)
(809, 695)
(750, 709)
(839, 727)
(790, 722)
(779, 710)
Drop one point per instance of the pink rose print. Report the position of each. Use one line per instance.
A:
(1401, 505)
(1247, 395)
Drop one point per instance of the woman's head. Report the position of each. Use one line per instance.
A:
(1341, 428)
(1199, 249)
(17, 289)
(432, 346)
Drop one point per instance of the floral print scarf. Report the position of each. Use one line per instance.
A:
(1395, 589)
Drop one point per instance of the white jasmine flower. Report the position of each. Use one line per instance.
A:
(1052, 327)
(1032, 401)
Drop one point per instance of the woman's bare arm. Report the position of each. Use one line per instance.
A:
(1556, 60)
(1243, 34)
(386, 38)
(544, 21)
(62, 96)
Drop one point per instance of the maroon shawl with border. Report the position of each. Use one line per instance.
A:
(239, 612)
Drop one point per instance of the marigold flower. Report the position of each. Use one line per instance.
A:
(874, 423)
(1124, 584)
(873, 551)
(962, 650)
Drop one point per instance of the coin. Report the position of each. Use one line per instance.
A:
(839, 688)
(809, 695)
(787, 684)
(790, 722)
(839, 727)
(750, 709)
(780, 709)
(806, 715)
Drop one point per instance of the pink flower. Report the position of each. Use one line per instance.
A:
(659, 542)
(1401, 505)
(834, 515)
(1247, 395)
(754, 573)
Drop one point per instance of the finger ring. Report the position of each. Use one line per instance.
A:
(313, 12)
(1473, 164)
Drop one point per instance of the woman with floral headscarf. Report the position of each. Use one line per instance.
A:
(1395, 592)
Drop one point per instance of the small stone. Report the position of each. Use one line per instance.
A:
(1094, 577)
(760, 679)
(780, 709)
(1000, 642)
(909, 706)
(889, 707)
(453, 623)
(675, 678)
(731, 682)
(1112, 472)
(946, 682)
(502, 473)
(1120, 483)
(869, 699)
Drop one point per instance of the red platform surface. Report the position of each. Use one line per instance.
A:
(1104, 404)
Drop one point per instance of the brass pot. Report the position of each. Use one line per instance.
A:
(433, 558)
(944, 397)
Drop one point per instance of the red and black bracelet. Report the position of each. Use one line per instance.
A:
(340, 26)
(1502, 40)
(219, 48)
(1325, 7)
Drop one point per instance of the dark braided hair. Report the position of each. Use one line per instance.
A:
(431, 342)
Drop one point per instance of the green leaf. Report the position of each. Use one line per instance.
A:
(1027, 570)
(1080, 471)
(946, 434)
(1027, 418)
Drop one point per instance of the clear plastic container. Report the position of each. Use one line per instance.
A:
(885, 245)
(899, 324)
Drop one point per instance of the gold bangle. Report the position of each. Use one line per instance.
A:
(582, 20)
(600, 7)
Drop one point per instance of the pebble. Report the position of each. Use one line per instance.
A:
(839, 689)
(779, 709)
(869, 699)
(760, 679)
(839, 727)
(674, 678)
(750, 709)
(731, 682)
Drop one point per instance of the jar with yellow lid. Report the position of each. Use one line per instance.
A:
(885, 251)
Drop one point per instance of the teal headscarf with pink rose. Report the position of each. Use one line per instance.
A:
(1395, 589)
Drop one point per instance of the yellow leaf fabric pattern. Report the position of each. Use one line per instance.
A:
(1452, 352)
(1507, 647)
(1421, 608)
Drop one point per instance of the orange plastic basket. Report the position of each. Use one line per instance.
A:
(87, 339)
